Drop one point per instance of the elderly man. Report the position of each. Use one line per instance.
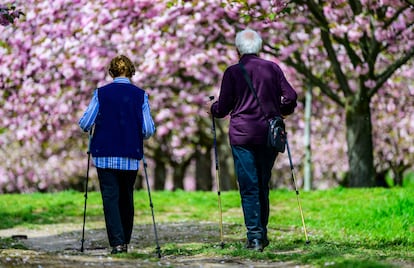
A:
(248, 129)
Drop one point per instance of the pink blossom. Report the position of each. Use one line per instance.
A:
(55, 57)
(354, 35)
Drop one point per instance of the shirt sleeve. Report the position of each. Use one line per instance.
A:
(88, 118)
(148, 126)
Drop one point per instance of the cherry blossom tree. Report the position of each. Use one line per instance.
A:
(49, 66)
(353, 51)
(55, 57)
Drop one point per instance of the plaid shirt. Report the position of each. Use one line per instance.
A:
(148, 129)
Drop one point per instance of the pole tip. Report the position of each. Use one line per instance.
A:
(307, 242)
(222, 245)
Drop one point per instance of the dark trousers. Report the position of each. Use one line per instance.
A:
(253, 166)
(117, 189)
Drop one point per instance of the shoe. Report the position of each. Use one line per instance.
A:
(265, 243)
(119, 249)
(125, 247)
(255, 244)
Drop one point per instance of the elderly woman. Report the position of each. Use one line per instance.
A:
(121, 114)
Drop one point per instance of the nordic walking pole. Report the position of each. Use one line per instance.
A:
(86, 187)
(152, 208)
(297, 191)
(217, 177)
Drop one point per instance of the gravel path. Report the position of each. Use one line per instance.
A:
(58, 245)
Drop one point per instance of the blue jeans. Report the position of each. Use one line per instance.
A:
(253, 166)
(117, 189)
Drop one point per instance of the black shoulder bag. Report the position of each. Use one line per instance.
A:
(276, 136)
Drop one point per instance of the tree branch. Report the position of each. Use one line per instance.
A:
(395, 17)
(314, 80)
(355, 6)
(382, 78)
(410, 2)
(399, 33)
(317, 13)
(353, 56)
(370, 48)
(342, 80)
(324, 26)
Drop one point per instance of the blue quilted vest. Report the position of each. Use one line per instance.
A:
(118, 125)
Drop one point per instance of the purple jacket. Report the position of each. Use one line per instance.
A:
(248, 125)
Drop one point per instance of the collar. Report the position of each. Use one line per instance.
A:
(246, 56)
(122, 80)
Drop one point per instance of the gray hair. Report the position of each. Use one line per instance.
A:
(248, 41)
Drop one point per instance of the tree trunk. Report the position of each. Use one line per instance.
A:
(138, 181)
(359, 139)
(398, 172)
(228, 179)
(178, 177)
(227, 174)
(160, 175)
(203, 170)
(307, 169)
(179, 170)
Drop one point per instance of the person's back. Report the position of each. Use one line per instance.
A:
(248, 130)
(119, 120)
(121, 115)
(248, 124)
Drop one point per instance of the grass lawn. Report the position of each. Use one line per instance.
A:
(347, 227)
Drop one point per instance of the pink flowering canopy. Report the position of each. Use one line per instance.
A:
(356, 55)
(53, 59)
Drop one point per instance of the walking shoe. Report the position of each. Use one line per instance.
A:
(255, 244)
(125, 248)
(118, 249)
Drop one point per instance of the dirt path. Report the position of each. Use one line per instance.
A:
(59, 245)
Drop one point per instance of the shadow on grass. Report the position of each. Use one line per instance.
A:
(48, 214)
(10, 220)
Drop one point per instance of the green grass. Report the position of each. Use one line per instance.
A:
(346, 227)
(409, 180)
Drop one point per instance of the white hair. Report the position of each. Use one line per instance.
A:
(248, 41)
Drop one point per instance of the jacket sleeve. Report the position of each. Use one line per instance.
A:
(289, 97)
(225, 103)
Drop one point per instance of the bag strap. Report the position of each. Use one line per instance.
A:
(250, 84)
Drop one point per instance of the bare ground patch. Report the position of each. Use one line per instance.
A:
(58, 245)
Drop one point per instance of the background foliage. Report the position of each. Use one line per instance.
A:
(53, 58)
